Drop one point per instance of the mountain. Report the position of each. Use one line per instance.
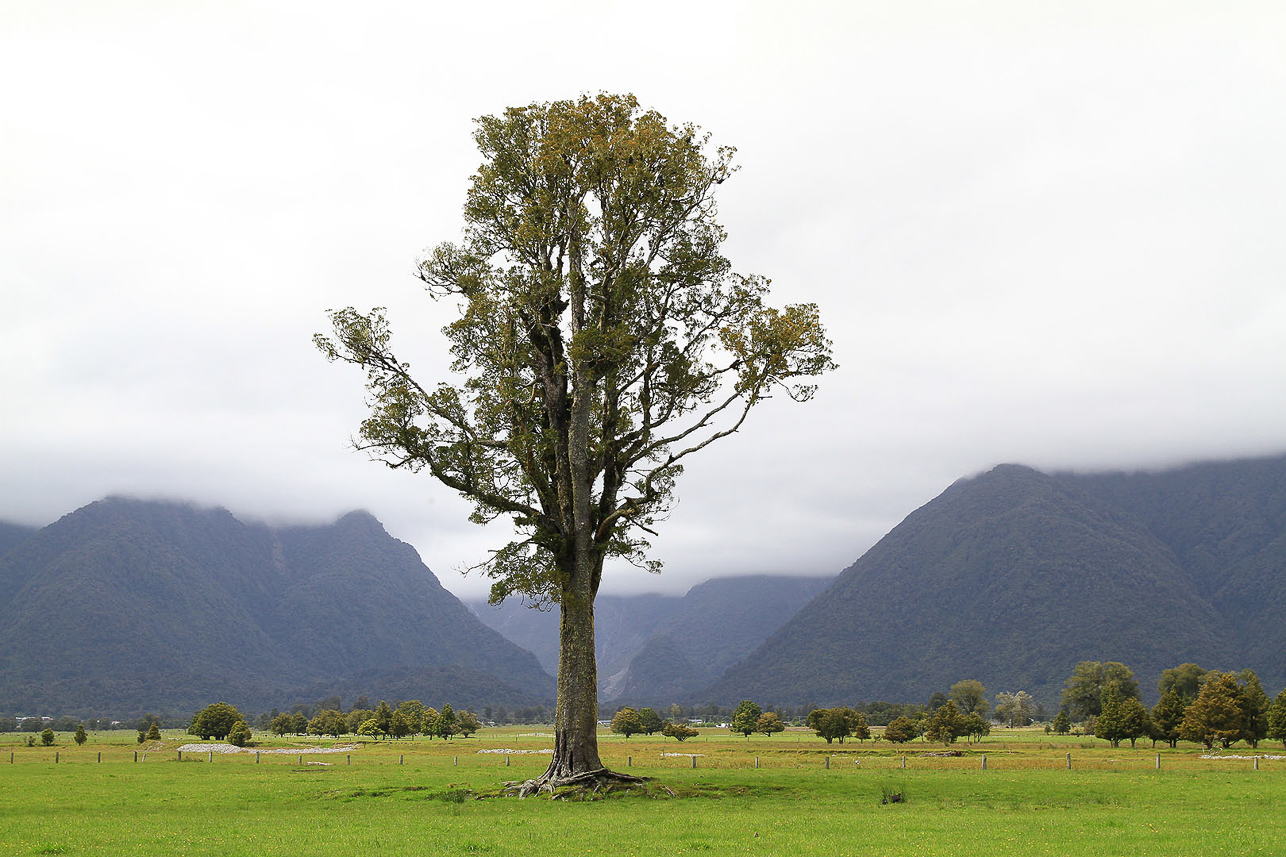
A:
(655, 649)
(12, 535)
(1014, 576)
(124, 606)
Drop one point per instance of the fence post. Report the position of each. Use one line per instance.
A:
(694, 762)
(400, 758)
(756, 761)
(211, 757)
(1158, 761)
(256, 757)
(180, 755)
(629, 761)
(904, 763)
(301, 758)
(136, 755)
(828, 763)
(455, 760)
(1256, 763)
(348, 759)
(984, 761)
(1069, 761)
(56, 760)
(100, 757)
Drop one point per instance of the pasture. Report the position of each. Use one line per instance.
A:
(421, 797)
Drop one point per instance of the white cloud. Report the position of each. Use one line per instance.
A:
(1046, 233)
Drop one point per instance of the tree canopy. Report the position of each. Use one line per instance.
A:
(602, 339)
(1084, 689)
(746, 718)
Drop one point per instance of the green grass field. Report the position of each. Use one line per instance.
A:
(420, 798)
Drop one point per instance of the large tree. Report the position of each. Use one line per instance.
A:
(970, 696)
(746, 718)
(1014, 708)
(1084, 689)
(602, 339)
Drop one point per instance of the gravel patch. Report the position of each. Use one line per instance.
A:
(232, 748)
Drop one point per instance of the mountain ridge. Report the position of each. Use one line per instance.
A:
(147, 605)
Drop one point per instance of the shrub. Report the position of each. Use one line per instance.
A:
(80, 735)
(240, 734)
(47, 737)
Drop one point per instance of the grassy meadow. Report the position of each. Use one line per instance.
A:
(421, 797)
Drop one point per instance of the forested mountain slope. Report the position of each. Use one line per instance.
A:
(1014, 576)
(125, 606)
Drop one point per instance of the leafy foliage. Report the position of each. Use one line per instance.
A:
(1091, 682)
(1217, 714)
(678, 731)
(946, 725)
(626, 722)
(901, 730)
(1168, 713)
(1277, 719)
(214, 721)
(1014, 709)
(649, 721)
(769, 723)
(970, 697)
(240, 734)
(746, 718)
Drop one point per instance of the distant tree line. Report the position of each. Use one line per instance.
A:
(1208, 707)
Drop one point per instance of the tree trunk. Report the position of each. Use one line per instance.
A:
(576, 712)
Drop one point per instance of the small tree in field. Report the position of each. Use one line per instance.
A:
(746, 717)
(769, 724)
(1277, 719)
(946, 725)
(678, 731)
(468, 723)
(80, 735)
(1216, 714)
(215, 721)
(1015, 709)
(448, 724)
(154, 732)
(649, 721)
(1062, 722)
(47, 737)
(977, 726)
(1167, 716)
(281, 724)
(970, 697)
(240, 735)
(626, 722)
(900, 730)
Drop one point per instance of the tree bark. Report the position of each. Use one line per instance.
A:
(576, 712)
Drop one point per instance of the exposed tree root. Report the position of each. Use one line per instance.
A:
(579, 785)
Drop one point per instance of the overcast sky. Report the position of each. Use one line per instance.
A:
(1039, 232)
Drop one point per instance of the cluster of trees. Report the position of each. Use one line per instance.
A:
(218, 720)
(645, 721)
(945, 719)
(1207, 707)
(410, 718)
